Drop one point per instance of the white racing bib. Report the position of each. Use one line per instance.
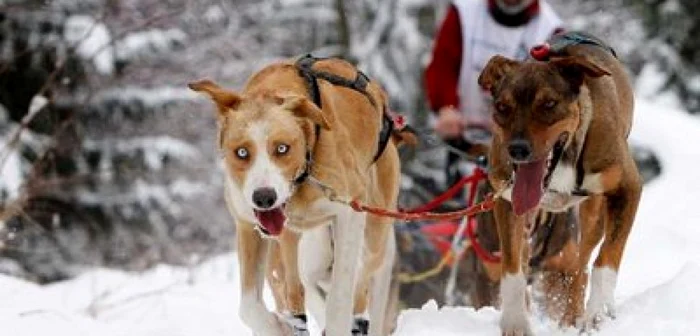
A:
(484, 38)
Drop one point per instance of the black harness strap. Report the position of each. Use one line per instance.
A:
(560, 41)
(304, 65)
(580, 172)
(384, 135)
(359, 84)
(307, 165)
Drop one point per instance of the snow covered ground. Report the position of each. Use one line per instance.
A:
(165, 301)
(657, 290)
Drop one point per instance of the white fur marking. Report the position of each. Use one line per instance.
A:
(513, 304)
(558, 202)
(381, 287)
(263, 173)
(592, 183)
(348, 238)
(563, 179)
(256, 316)
(603, 283)
(237, 201)
(315, 259)
(507, 194)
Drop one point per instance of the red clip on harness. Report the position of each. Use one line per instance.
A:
(540, 52)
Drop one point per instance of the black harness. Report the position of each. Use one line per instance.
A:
(557, 44)
(560, 41)
(311, 76)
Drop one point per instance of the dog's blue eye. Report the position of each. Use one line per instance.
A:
(242, 153)
(282, 149)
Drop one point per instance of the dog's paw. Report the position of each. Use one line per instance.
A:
(293, 325)
(264, 323)
(360, 327)
(596, 316)
(601, 304)
(517, 325)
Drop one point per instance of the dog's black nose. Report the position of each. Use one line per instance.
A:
(264, 198)
(520, 150)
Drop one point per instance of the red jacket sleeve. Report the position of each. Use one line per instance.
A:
(441, 77)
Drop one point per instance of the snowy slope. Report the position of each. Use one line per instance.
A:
(657, 293)
(165, 301)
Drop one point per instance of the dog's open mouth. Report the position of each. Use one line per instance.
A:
(271, 221)
(532, 178)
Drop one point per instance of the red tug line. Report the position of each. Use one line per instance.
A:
(424, 212)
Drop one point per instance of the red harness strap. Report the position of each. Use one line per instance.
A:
(423, 212)
(484, 206)
(479, 250)
(474, 178)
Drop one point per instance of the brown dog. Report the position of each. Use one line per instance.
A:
(277, 141)
(561, 130)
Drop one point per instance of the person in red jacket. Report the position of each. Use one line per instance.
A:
(472, 32)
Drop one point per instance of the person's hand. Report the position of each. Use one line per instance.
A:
(450, 122)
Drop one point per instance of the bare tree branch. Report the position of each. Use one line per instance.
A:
(343, 29)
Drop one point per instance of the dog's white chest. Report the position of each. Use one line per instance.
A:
(320, 212)
(563, 179)
(560, 195)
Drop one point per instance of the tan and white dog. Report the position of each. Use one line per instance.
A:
(274, 138)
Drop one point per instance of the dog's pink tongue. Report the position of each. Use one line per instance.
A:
(271, 220)
(527, 190)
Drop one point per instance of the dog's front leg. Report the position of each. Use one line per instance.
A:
(252, 258)
(348, 234)
(514, 305)
(621, 208)
(294, 290)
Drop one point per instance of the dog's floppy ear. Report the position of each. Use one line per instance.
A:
(574, 68)
(223, 98)
(497, 67)
(304, 108)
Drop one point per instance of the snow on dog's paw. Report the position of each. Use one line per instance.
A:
(263, 322)
(596, 316)
(293, 325)
(514, 303)
(601, 304)
(516, 326)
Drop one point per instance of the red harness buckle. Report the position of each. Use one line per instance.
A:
(540, 52)
(398, 120)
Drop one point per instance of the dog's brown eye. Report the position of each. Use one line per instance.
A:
(282, 149)
(502, 108)
(242, 153)
(549, 104)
